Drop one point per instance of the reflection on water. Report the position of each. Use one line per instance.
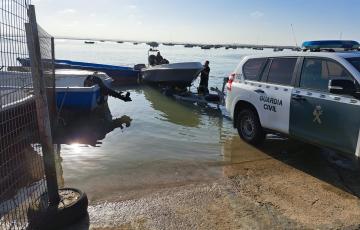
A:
(170, 110)
(90, 129)
(168, 142)
(179, 112)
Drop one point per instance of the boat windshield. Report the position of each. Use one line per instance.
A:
(355, 62)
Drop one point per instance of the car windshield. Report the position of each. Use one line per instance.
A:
(355, 62)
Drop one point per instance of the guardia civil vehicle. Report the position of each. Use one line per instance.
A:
(313, 95)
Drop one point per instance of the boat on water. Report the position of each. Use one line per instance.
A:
(188, 45)
(170, 74)
(153, 44)
(89, 42)
(206, 47)
(168, 44)
(175, 74)
(122, 75)
(278, 49)
(72, 94)
(69, 88)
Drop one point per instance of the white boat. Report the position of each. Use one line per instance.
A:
(70, 90)
(176, 74)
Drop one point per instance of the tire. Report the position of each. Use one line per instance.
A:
(249, 127)
(61, 217)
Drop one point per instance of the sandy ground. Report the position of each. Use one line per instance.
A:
(285, 184)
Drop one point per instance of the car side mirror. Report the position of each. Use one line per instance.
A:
(342, 86)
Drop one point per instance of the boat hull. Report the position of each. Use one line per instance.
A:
(70, 91)
(71, 94)
(177, 74)
(122, 75)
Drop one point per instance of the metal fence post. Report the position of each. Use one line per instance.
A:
(42, 108)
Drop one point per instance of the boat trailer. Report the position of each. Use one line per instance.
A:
(217, 98)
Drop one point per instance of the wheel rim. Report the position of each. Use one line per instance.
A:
(247, 127)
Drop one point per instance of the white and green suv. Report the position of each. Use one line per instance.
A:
(311, 96)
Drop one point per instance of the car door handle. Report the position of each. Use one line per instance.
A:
(297, 97)
(259, 91)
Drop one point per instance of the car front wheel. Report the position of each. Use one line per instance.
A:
(249, 127)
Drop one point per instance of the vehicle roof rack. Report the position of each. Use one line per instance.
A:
(331, 46)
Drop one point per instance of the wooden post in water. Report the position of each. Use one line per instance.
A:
(42, 108)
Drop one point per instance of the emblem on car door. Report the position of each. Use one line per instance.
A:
(317, 113)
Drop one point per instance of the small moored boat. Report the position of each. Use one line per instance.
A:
(72, 94)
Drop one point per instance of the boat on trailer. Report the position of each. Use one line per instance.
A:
(174, 74)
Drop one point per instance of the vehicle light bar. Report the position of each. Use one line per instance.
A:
(331, 44)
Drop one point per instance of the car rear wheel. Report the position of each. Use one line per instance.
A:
(249, 127)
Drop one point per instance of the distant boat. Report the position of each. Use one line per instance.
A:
(188, 45)
(120, 42)
(102, 41)
(89, 42)
(168, 44)
(258, 48)
(153, 44)
(135, 43)
(206, 47)
(278, 49)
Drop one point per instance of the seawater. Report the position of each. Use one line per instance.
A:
(167, 142)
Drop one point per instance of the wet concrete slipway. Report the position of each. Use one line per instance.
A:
(157, 163)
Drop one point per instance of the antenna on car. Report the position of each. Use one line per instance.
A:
(293, 33)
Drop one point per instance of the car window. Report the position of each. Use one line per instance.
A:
(281, 71)
(252, 68)
(316, 73)
(355, 62)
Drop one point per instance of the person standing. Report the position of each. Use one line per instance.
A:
(204, 79)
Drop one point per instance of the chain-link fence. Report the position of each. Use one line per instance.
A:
(22, 171)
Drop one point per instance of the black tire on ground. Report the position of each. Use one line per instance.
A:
(249, 127)
(53, 218)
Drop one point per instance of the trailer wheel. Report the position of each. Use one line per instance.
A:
(249, 127)
(73, 207)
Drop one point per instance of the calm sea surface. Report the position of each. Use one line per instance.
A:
(167, 141)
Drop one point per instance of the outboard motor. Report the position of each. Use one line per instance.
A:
(104, 90)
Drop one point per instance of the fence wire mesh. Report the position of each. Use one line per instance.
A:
(22, 177)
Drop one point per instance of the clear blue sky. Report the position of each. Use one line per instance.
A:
(207, 21)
